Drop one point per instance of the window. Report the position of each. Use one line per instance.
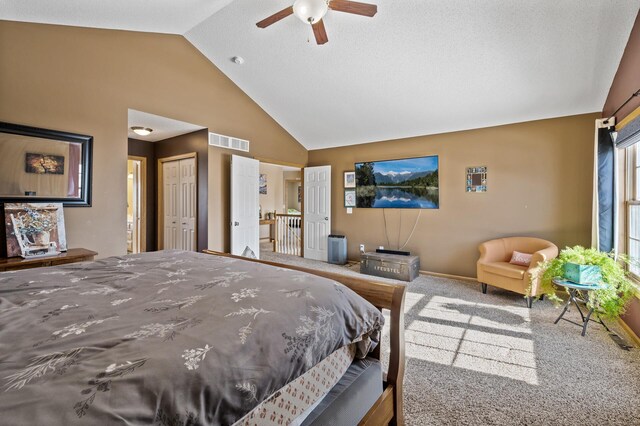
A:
(633, 208)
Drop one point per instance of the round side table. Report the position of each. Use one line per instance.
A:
(578, 293)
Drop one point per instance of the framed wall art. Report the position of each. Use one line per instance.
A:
(349, 197)
(476, 179)
(263, 184)
(42, 164)
(349, 179)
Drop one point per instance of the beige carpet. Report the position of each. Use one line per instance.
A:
(475, 359)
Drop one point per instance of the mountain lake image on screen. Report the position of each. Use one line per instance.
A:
(410, 183)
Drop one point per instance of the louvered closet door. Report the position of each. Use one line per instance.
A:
(188, 204)
(171, 195)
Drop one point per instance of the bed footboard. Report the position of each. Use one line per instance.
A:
(388, 409)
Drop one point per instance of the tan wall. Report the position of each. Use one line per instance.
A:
(539, 184)
(293, 174)
(83, 80)
(14, 180)
(273, 200)
(293, 179)
(291, 191)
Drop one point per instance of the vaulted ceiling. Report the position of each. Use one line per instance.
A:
(418, 67)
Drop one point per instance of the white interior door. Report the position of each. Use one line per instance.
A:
(317, 211)
(245, 229)
(188, 204)
(170, 193)
(180, 207)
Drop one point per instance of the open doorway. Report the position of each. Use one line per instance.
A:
(281, 209)
(167, 184)
(136, 204)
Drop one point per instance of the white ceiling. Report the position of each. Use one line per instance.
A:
(421, 66)
(418, 67)
(158, 16)
(163, 127)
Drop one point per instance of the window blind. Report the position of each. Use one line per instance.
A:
(629, 134)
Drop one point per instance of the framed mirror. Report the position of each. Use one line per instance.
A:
(44, 166)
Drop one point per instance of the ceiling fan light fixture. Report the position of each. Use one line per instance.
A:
(310, 11)
(142, 131)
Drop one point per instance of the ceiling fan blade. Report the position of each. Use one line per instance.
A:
(319, 32)
(275, 17)
(364, 9)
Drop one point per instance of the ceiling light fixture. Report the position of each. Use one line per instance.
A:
(142, 131)
(238, 60)
(310, 11)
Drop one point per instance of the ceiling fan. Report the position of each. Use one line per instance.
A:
(312, 11)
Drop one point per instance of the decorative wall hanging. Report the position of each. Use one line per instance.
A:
(349, 179)
(349, 197)
(477, 179)
(263, 184)
(44, 164)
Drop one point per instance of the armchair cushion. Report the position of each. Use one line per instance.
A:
(505, 269)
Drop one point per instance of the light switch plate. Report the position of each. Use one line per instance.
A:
(349, 210)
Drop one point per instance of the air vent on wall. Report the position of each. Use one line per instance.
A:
(228, 142)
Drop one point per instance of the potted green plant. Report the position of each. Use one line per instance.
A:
(617, 289)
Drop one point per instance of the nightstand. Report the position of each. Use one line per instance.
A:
(70, 256)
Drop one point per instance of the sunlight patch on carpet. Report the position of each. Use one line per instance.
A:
(411, 299)
(510, 318)
(474, 336)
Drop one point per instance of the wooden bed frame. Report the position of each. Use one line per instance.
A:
(388, 408)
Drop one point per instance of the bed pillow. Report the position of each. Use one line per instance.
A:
(521, 259)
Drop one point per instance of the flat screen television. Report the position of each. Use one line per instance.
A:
(410, 183)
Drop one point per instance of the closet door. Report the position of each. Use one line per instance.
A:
(188, 203)
(171, 195)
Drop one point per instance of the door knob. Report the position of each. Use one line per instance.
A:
(236, 223)
(326, 218)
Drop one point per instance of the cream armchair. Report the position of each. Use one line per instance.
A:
(494, 268)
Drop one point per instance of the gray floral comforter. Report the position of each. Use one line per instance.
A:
(166, 338)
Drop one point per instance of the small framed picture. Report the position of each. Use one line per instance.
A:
(349, 197)
(349, 179)
(263, 184)
(476, 179)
